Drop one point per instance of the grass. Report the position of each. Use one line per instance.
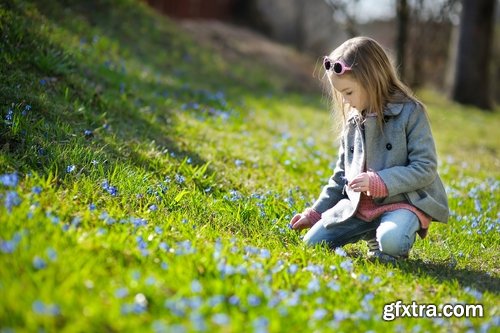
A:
(147, 184)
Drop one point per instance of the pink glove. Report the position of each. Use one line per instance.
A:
(305, 219)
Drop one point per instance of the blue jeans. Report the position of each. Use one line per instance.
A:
(394, 231)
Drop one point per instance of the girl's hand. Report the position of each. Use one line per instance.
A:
(300, 221)
(360, 183)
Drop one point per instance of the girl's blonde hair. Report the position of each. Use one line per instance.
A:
(373, 70)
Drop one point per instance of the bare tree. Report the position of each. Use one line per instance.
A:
(472, 74)
(341, 8)
(402, 12)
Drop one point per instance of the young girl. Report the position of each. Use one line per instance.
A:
(385, 188)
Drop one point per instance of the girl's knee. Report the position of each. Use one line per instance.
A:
(393, 243)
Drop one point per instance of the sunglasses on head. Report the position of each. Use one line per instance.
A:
(338, 67)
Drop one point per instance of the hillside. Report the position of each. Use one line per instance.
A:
(147, 177)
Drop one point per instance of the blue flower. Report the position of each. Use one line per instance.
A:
(9, 117)
(12, 200)
(121, 292)
(88, 134)
(39, 263)
(110, 189)
(70, 168)
(333, 286)
(220, 319)
(9, 179)
(196, 286)
(36, 190)
(319, 314)
(180, 179)
(163, 246)
(340, 252)
(253, 300)
(9, 246)
(261, 325)
(293, 269)
(153, 208)
(51, 254)
(41, 308)
(347, 265)
(313, 286)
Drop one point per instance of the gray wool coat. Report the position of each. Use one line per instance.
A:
(402, 153)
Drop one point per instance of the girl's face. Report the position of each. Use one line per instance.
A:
(352, 92)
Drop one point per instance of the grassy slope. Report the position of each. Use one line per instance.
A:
(209, 160)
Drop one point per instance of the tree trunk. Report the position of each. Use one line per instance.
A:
(472, 73)
(402, 17)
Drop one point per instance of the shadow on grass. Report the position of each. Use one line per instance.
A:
(445, 272)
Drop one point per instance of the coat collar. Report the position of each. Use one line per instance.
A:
(393, 109)
(390, 110)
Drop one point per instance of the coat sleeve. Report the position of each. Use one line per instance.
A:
(333, 192)
(421, 168)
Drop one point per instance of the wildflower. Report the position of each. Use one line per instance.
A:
(150, 281)
(363, 278)
(347, 265)
(314, 269)
(163, 246)
(70, 168)
(333, 286)
(110, 189)
(121, 292)
(196, 286)
(39, 263)
(253, 300)
(9, 246)
(12, 200)
(92, 207)
(238, 163)
(220, 319)
(9, 179)
(41, 308)
(36, 190)
(293, 269)
(106, 218)
(140, 303)
(265, 254)
(51, 254)
(88, 134)
(9, 117)
(340, 252)
(234, 300)
(180, 179)
(367, 298)
(319, 314)
(261, 325)
(474, 293)
(198, 322)
(153, 208)
(340, 315)
(313, 286)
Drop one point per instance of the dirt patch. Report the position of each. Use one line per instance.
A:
(236, 42)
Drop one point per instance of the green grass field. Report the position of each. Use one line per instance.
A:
(146, 184)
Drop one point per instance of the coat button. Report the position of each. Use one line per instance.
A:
(388, 146)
